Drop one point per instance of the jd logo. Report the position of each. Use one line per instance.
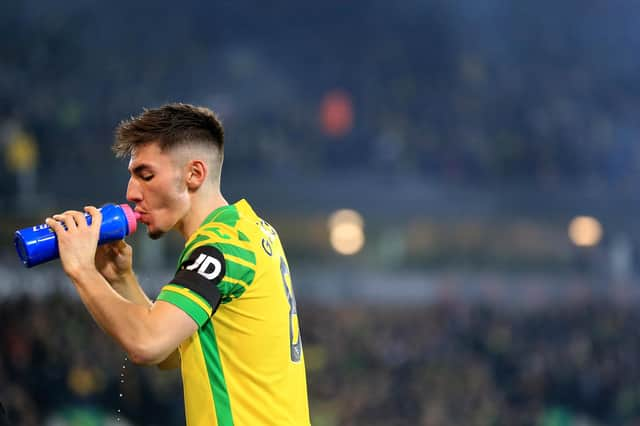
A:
(204, 265)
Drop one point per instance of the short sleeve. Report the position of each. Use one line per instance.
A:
(194, 288)
(240, 270)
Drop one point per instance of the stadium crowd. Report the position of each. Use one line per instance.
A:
(439, 90)
(445, 364)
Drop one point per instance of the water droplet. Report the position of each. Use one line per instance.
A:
(121, 394)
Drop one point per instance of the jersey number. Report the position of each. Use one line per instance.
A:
(295, 341)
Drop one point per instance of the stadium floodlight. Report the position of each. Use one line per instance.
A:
(585, 231)
(346, 231)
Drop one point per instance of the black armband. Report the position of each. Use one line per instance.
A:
(201, 272)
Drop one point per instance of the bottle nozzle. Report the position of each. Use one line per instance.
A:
(132, 218)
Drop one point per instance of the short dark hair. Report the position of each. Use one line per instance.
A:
(170, 125)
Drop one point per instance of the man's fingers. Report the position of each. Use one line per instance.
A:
(96, 216)
(67, 220)
(78, 218)
(54, 224)
(73, 219)
(121, 246)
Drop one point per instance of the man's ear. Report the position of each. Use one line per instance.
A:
(197, 172)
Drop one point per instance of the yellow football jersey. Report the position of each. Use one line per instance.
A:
(244, 366)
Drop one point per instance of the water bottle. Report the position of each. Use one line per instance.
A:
(38, 244)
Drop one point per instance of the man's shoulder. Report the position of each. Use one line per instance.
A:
(235, 241)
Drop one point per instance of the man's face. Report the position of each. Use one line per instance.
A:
(157, 187)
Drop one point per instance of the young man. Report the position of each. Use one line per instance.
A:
(228, 317)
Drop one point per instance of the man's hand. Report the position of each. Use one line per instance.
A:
(114, 261)
(78, 242)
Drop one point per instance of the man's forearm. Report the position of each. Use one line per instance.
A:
(122, 319)
(129, 288)
(132, 325)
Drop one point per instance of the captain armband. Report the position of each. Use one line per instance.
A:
(201, 272)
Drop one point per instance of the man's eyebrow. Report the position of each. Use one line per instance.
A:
(139, 169)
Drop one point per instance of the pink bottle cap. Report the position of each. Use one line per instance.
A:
(132, 218)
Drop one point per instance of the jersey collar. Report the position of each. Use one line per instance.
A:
(242, 206)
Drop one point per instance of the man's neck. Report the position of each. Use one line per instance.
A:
(201, 207)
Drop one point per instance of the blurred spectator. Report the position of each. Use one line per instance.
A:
(446, 364)
(443, 90)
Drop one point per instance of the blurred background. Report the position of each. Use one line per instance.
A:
(454, 183)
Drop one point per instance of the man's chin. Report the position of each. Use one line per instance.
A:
(154, 235)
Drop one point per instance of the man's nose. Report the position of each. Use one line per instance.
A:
(134, 194)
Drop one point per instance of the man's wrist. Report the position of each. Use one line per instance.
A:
(123, 280)
(83, 275)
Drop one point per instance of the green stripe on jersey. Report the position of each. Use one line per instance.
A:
(239, 272)
(216, 230)
(216, 376)
(242, 237)
(230, 291)
(187, 249)
(228, 215)
(234, 250)
(198, 314)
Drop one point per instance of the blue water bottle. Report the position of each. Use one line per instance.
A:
(38, 244)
